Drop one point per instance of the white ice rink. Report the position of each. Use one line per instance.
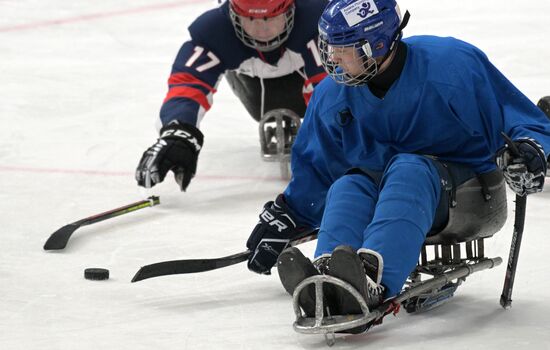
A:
(81, 83)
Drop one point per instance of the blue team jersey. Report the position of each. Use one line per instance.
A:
(449, 102)
(214, 49)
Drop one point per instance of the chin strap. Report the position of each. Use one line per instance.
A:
(405, 20)
(398, 36)
(399, 32)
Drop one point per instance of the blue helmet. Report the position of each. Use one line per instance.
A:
(372, 27)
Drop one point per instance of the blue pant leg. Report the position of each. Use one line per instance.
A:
(349, 209)
(404, 213)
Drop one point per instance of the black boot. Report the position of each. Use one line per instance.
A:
(293, 268)
(352, 268)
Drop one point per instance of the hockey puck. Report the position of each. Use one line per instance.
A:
(96, 274)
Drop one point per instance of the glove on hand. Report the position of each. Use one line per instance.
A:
(271, 236)
(524, 172)
(177, 149)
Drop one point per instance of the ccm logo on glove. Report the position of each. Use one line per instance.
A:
(183, 134)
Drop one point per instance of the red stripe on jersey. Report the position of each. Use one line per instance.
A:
(308, 85)
(189, 92)
(186, 78)
(315, 79)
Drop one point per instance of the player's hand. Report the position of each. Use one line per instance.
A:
(271, 236)
(523, 165)
(176, 149)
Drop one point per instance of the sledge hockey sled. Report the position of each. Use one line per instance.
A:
(278, 129)
(447, 258)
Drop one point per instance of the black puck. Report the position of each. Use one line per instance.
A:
(96, 274)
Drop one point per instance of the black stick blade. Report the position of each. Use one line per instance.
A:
(504, 302)
(175, 267)
(58, 239)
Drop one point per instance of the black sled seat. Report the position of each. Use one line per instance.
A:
(478, 211)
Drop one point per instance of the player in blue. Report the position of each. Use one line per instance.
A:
(400, 126)
(267, 50)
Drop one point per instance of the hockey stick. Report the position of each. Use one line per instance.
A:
(59, 239)
(519, 222)
(175, 267)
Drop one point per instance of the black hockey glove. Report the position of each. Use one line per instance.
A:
(271, 236)
(523, 168)
(176, 149)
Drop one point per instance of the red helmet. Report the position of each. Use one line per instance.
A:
(239, 10)
(260, 8)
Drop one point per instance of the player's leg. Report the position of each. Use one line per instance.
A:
(414, 198)
(349, 209)
(405, 211)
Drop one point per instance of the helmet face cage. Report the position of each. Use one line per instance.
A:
(260, 45)
(337, 65)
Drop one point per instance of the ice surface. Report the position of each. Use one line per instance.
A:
(81, 86)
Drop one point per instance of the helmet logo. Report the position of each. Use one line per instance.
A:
(257, 11)
(359, 11)
(374, 26)
(365, 10)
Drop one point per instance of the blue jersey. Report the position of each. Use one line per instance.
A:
(449, 102)
(214, 49)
